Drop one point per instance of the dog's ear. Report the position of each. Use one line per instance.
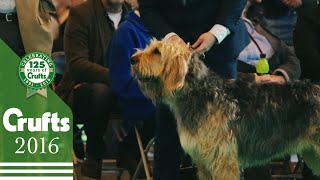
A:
(174, 73)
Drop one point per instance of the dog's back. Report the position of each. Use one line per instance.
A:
(272, 117)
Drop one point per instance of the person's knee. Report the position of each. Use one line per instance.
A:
(102, 93)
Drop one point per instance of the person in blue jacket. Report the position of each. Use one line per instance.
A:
(130, 35)
(134, 106)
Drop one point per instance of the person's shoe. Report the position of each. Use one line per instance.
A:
(91, 168)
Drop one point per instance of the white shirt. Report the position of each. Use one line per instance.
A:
(7, 6)
(115, 18)
(219, 31)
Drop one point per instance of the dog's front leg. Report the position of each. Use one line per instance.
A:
(225, 167)
(204, 174)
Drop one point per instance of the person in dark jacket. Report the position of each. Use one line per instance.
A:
(307, 47)
(213, 27)
(84, 85)
(306, 43)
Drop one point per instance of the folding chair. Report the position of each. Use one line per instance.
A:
(144, 159)
(287, 172)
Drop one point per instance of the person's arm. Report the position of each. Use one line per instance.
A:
(290, 65)
(77, 51)
(118, 56)
(227, 21)
(230, 13)
(149, 10)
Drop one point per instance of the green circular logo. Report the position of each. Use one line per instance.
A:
(37, 70)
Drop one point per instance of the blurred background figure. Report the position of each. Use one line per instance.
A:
(25, 27)
(279, 16)
(59, 20)
(307, 42)
(284, 64)
(307, 47)
(85, 85)
(134, 3)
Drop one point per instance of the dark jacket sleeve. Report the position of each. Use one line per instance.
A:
(76, 45)
(150, 14)
(230, 13)
(290, 64)
(306, 40)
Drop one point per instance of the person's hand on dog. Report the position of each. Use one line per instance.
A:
(269, 79)
(276, 79)
(176, 38)
(204, 43)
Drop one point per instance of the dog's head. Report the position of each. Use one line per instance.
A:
(161, 67)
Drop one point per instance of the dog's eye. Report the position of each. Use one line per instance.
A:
(156, 51)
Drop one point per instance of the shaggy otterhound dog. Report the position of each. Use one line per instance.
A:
(224, 125)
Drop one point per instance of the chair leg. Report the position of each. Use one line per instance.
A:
(143, 156)
(120, 172)
(146, 150)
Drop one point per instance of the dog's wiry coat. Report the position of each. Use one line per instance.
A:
(227, 124)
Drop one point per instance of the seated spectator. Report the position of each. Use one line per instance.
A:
(306, 43)
(284, 65)
(84, 85)
(130, 35)
(135, 107)
(279, 16)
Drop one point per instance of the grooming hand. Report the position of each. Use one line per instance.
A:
(277, 79)
(176, 38)
(292, 3)
(204, 43)
(270, 79)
